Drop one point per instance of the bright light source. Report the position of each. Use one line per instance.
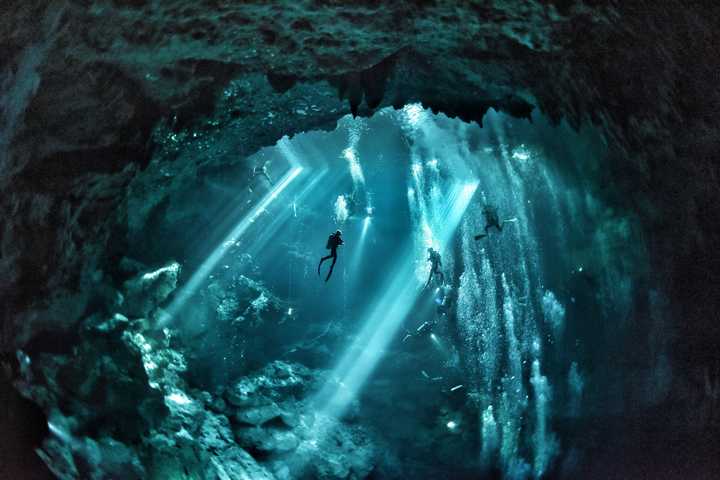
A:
(413, 113)
(451, 425)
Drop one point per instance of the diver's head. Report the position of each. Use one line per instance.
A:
(430, 249)
(338, 233)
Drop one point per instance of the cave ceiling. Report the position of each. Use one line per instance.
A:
(98, 77)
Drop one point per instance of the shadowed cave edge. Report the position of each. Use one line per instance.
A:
(166, 209)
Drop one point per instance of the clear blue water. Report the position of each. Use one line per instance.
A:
(473, 375)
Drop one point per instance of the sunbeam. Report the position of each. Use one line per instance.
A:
(386, 314)
(194, 282)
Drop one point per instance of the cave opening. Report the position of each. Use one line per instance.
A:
(491, 369)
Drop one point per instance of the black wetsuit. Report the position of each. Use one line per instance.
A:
(436, 264)
(491, 220)
(334, 242)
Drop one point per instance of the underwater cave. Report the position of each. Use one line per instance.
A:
(526, 285)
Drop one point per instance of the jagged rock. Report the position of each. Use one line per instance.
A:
(144, 293)
(276, 381)
(215, 433)
(258, 415)
(275, 420)
(71, 457)
(266, 440)
(329, 449)
(160, 428)
(235, 463)
(116, 322)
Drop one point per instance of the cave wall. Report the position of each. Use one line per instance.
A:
(92, 90)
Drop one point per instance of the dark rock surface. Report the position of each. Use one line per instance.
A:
(97, 96)
(118, 406)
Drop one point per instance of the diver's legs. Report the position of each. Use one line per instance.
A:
(332, 265)
(427, 284)
(483, 235)
(322, 260)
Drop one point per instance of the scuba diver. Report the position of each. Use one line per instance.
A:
(333, 242)
(435, 266)
(492, 220)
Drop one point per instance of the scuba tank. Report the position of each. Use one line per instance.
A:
(330, 242)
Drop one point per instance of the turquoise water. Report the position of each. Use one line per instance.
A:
(467, 376)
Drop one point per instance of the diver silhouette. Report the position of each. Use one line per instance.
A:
(333, 242)
(435, 266)
(492, 220)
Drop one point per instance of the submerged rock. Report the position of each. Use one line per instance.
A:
(145, 292)
(119, 406)
(275, 419)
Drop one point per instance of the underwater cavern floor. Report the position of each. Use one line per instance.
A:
(237, 358)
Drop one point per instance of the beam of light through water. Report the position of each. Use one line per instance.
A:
(261, 240)
(502, 320)
(386, 315)
(359, 248)
(199, 276)
(288, 152)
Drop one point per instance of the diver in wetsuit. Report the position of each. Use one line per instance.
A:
(333, 242)
(435, 266)
(492, 220)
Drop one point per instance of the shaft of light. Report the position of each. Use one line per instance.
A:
(267, 233)
(386, 316)
(359, 247)
(189, 289)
